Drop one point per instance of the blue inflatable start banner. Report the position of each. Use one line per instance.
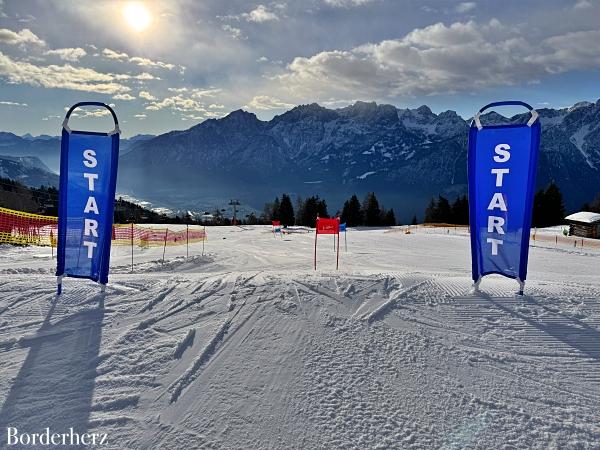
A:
(88, 178)
(502, 163)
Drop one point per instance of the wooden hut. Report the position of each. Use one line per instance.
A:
(584, 224)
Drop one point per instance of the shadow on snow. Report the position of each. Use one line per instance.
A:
(55, 385)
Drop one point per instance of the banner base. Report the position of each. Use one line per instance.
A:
(521, 287)
(475, 288)
(59, 284)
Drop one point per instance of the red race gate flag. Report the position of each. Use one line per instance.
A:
(328, 226)
(276, 227)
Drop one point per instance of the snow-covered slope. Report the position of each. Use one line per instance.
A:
(248, 347)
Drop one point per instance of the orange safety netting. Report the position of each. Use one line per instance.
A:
(156, 237)
(563, 241)
(545, 239)
(21, 228)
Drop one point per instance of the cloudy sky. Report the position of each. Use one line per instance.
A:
(171, 64)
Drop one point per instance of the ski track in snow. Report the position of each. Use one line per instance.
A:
(247, 347)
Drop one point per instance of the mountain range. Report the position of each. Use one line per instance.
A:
(47, 148)
(29, 170)
(405, 155)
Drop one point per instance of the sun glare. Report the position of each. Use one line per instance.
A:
(137, 16)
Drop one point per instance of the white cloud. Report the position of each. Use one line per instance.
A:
(126, 97)
(465, 7)
(265, 102)
(51, 117)
(85, 113)
(177, 103)
(260, 14)
(8, 103)
(196, 92)
(149, 63)
(146, 95)
(25, 18)
(111, 54)
(64, 77)
(138, 60)
(234, 32)
(583, 4)
(438, 59)
(25, 36)
(200, 93)
(570, 51)
(68, 54)
(140, 116)
(213, 114)
(144, 76)
(96, 113)
(347, 3)
(192, 117)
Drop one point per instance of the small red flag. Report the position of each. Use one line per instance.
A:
(328, 226)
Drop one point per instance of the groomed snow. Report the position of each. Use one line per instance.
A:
(248, 347)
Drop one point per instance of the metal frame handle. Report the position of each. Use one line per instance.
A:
(65, 123)
(530, 122)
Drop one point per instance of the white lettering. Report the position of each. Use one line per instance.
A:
(89, 157)
(502, 153)
(12, 434)
(91, 246)
(495, 243)
(47, 438)
(91, 177)
(91, 206)
(495, 222)
(90, 227)
(73, 435)
(499, 173)
(497, 202)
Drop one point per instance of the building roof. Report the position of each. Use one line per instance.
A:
(584, 217)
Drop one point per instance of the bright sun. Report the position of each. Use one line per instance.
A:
(137, 16)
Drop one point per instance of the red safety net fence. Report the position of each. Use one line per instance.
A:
(131, 234)
(21, 228)
(545, 238)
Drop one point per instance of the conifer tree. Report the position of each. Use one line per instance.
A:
(286, 211)
(351, 213)
(371, 210)
(548, 207)
(313, 206)
(389, 218)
